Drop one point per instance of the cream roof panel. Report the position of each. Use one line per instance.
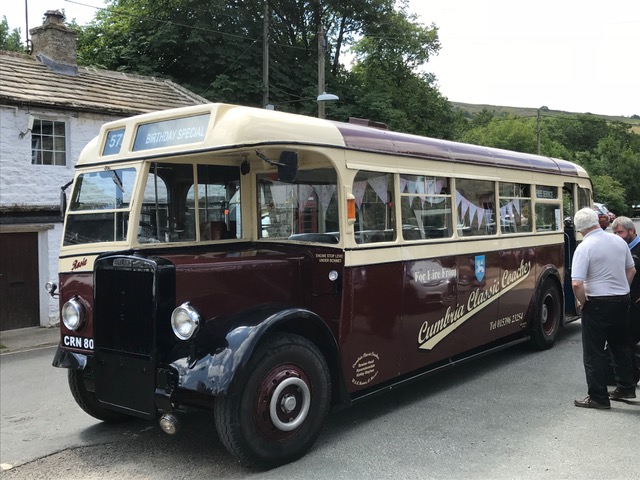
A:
(229, 126)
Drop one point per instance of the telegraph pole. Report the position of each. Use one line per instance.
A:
(321, 50)
(265, 56)
(538, 129)
(26, 19)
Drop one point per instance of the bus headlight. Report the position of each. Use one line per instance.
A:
(73, 314)
(185, 321)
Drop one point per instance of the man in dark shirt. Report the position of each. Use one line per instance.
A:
(626, 229)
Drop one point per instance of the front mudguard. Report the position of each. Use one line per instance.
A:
(70, 360)
(232, 340)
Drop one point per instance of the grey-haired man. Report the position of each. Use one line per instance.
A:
(601, 272)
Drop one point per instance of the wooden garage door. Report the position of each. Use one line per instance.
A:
(19, 300)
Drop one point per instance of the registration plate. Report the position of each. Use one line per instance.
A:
(73, 341)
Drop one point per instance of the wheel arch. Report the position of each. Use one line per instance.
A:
(549, 274)
(218, 372)
(546, 314)
(317, 332)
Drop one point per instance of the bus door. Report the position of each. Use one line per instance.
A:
(569, 193)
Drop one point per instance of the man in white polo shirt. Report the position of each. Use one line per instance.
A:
(601, 272)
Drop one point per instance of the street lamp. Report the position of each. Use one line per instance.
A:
(327, 97)
(322, 95)
(322, 98)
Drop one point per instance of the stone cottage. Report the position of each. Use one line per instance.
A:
(50, 108)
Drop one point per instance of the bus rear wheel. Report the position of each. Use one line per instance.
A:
(276, 414)
(88, 402)
(547, 317)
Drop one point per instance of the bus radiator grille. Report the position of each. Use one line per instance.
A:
(124, 311)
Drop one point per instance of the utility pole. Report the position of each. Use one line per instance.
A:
(538, 129)
(265, 56)
(321, 51)
(26, 19)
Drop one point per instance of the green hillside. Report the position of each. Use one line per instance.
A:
(470, 109)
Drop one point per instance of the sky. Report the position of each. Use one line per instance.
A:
(571, 55)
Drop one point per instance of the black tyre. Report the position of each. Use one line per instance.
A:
(89, 403)
(276, 413)
(547, 317)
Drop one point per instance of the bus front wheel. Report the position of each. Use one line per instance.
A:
(547, 317)
(276, 414)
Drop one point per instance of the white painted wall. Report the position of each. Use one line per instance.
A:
(36, 185)
(23, 185)
(52, 313)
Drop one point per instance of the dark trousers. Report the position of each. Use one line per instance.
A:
(634, 337)
(606, 322)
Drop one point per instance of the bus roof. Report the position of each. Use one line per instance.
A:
(216, 126)
(377, 140)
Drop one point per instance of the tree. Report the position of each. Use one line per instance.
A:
(511, 133)
(483, 118)
(609, 151)
(619, 156)
(218, 45)
(386, 84)
(9, 39)
(578, 133)
(610, 192)
(215, 49)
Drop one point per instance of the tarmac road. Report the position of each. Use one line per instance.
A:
(507, 416)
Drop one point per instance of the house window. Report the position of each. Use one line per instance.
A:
(48, 143)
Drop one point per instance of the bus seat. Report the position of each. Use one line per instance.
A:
(214, 231)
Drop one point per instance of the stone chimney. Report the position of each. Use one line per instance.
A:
(54, 44)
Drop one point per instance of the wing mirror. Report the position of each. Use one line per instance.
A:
(288, 166)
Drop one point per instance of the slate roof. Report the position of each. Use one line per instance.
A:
(26, 80)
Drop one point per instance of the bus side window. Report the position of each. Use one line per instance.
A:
(584, 198)
(476, 207)
(515, 207)
(218, 196)
(425, 203)
(374, 213)
(548, 209)
(568, 204)
(300, 210)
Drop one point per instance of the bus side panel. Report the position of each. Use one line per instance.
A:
(479, 295)
(371, 327)
(325, 294)
(466, 324)
(459, 310)
(551, 255)
(221, 283)
(431, 288)
(514, 304)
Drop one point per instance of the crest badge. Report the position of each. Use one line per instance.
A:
(479, 267)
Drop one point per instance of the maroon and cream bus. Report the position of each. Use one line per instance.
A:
(269, 267)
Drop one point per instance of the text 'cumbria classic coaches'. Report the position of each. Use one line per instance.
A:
(268, 267)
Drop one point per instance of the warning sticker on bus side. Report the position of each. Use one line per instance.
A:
(77, 342)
